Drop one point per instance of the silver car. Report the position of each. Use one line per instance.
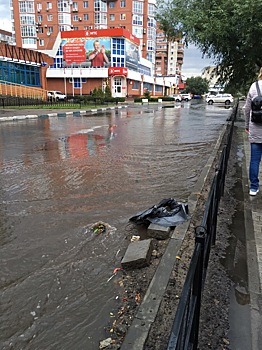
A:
(176, 97)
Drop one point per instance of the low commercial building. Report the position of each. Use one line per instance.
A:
(23, 71)
(89, 59)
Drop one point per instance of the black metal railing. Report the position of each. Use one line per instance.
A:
(184, 333)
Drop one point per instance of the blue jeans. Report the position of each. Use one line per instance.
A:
(256, 152)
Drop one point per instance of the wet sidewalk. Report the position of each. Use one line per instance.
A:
(253, 231)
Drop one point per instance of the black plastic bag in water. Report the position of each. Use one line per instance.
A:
(168, 213)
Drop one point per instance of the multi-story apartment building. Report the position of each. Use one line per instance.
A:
(169, 57)
(6, 37)
(37, 22)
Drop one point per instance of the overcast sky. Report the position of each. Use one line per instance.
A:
(193, 61)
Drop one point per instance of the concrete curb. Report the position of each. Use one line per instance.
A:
(139, 330)
(60, 114)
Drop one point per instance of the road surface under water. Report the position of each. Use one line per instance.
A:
(60, 175)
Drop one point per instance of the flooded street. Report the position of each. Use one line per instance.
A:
(58, 176)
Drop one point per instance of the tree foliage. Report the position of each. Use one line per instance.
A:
(229, 31)
(197, 85)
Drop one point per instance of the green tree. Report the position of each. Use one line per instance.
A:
(228, 31)
(147, 93)
(197, 85)
(108, 91)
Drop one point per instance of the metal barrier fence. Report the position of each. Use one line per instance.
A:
(15, 101)
(184, 333)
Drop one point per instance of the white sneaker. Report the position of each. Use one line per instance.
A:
(253, 192)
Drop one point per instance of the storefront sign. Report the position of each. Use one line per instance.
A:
(117, 71)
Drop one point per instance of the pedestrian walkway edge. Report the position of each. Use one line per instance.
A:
(59, 114)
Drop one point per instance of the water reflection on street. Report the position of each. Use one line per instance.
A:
(61, 174)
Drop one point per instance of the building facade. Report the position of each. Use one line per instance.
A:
(36, 23)
(78, 68)
(39, 25)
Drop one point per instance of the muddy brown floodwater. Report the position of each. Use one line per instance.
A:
(60, 175)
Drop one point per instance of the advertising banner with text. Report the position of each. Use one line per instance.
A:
(87, 52)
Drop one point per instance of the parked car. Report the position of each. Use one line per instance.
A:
(197, 97)
(56, 96)
(176, 97)
(186, 97)
(220, 98)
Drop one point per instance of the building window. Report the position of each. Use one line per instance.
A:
(151, 22)
(64, 28)
(86, 17)
(122, 16)
(151, 9)
(75, 6)
(78, 82)
(27, 19)
(137, 31)
(137, 7)
(100, 18)
(150, 56)
(75, 18)
(29, 41)
(20, 73)
(122, 3)
(49, 18)
(138, 20)
(151, 33)
(158, 88)
(112, 17)
(40, 18)
(150, 45)
(27, 6)
(118, 61)
(85, 4)
(118, 52)
(50, 29)
(75, 28)
(40, 30)
(49, 5)
(41, 42)
(135, 85)
(28, 31)
(111, 5)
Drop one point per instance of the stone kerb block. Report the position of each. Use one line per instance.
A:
(138, 254)
(158, 232)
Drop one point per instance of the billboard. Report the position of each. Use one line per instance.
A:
(87, 52)
(132, 55)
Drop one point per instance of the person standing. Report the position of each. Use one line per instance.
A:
(254, 131)
(98, 57)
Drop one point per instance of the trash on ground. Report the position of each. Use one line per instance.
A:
(135, 238)
(114, 273)
(99, 228)
(105, 343)
(168, 213)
